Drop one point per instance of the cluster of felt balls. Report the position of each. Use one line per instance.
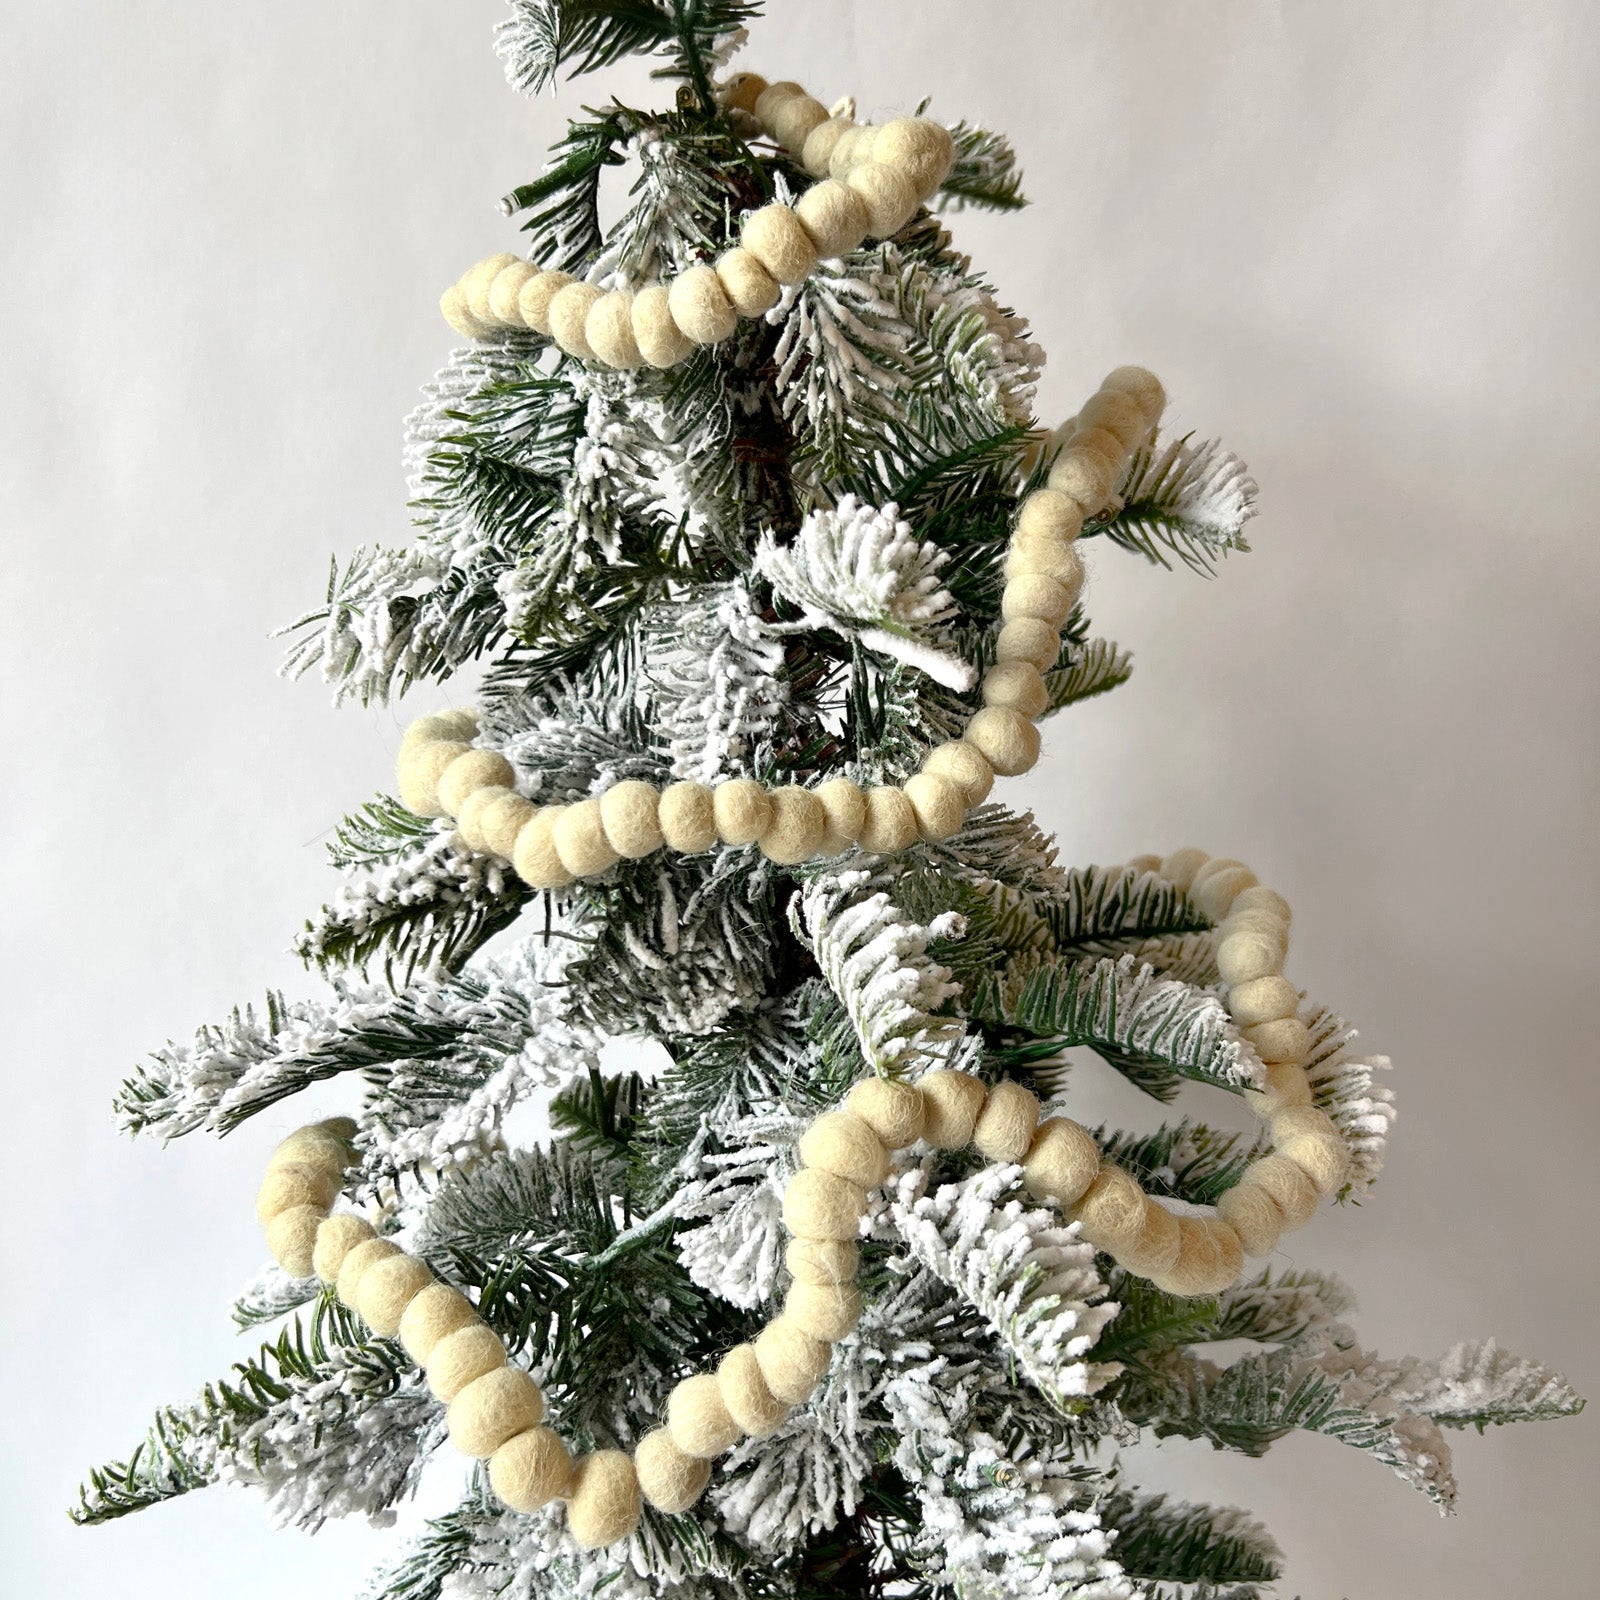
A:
(871, 181)
(441, 773)
(497, 1410)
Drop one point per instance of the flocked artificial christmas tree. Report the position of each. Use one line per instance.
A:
(773, 572)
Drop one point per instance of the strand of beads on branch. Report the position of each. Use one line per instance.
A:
(871, 181)
(441, 773)
(496, 1410)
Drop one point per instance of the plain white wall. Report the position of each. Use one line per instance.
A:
(1358, 240)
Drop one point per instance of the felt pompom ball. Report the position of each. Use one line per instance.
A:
(687, 817)
(661, 341)
(535, 296)
(846, 807)
(1254, 1216)
(630, 816)
(1016, 686)
(796, 828)
(835, 216)
(826, 1311)
(292, 1238)
(700, 306)
(822, 1260)
(475, 284)
(1294, 1194)
(1287, 1039)
(670, 1480)
(1180, 867)
(1034, 595)
(1006, 1126)
(492, 1409)
(752, 291)
(939, 805)
(1062, 1161)
(1308, 1138)
(1086, 475)
(1141, 386)
(580, 839)
(569, 318)
(609, 331)
(965, 766)
(433, 1313)
(743, 810)
(472, 770)
(1244, 956)
(775, 236)
(888, 194)
(418, 771)
(1110, 1210)
(530, 1470)
(336, 1238)
(387, 1289)
(893, 1110)
(841, 1143)
(1155, 1248)
(890, 823)
(1285, 1085)
(290, 1184)
(534, 855)
(951, 1102)
(851, 149)
(602, 1499)
(1008, 740)
(791, 1361)
(505, 292)
(1119, 414)
(460, 1357)
(1034, 556)
(458, 726)
(920, 147)
(794, 119)
(1215, 892)
(820, 1205)
(1260, 898)
(358, 1261)
(454, 309)
(817, 152)
(1050, 516)
(742, 90)
(698, 1418)
(1029, 639)
(750, 1403)
(492, 819)
(1262, 1000)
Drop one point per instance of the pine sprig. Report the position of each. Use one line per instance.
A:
(543, 37)
(1190, 500)
(984, 173)
(1154, 1030)
(1172, 1541)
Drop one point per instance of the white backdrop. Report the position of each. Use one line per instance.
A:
(1356, 239)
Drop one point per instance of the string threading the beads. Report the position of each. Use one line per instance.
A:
(870, 182)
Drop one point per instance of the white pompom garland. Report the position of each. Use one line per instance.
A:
(496, 1410)
(869, 183)
(440, 773)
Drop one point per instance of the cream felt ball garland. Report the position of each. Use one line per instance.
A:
(441, 773)
(497, 1410)
(870, 181)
